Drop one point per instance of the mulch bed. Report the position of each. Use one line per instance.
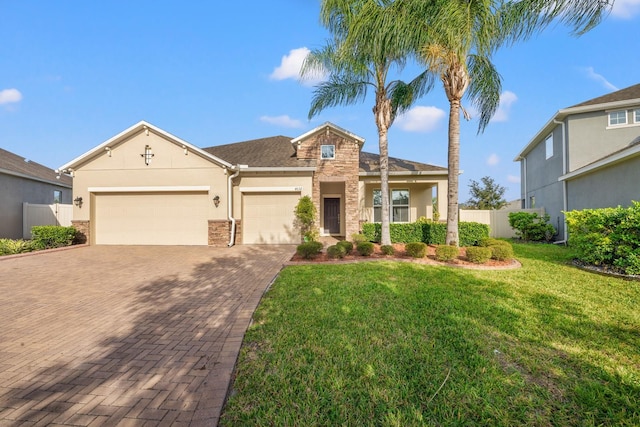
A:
(401, 255)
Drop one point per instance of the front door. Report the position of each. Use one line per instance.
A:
(332, 216)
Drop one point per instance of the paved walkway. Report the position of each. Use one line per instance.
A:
(106, 335)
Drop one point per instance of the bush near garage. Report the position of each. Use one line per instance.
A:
(52, 236)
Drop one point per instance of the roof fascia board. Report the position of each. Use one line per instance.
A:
(138, 127)
(33, 178)
(278, 169)
(611, 160)
(562, 114)
(335, 128)
(408, 173)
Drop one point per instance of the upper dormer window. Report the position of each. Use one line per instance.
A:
(327, 152)
(618, 118)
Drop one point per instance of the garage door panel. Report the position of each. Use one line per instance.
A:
(151, 219)
(268, 218)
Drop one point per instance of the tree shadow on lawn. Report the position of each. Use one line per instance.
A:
(173, 363)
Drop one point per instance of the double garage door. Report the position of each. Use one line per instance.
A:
(171, 218)
(181, 218)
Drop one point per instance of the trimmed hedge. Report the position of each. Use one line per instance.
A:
(365, 248)
(52, 236)
(336, 251)
(608, 236)
(478, 254)
(501, 252)
(416, 249)
(447, 253)
(346, 245)
(309, 250)
(433, 233)
(387, 249)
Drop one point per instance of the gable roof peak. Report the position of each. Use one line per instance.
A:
(326, 126)
(626, 94)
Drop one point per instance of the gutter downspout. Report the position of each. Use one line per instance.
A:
(232, 236)
(526, 198)
(565, 204)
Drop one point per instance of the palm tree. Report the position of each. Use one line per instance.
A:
(359, 58)
(456, 39)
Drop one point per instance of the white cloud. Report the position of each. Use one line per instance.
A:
(591, 74)
(507, 98)
(420, 119)
(8, 96)
(291, 65)
(513, 178)
(284, 121)
(625, 9)
(493, 160)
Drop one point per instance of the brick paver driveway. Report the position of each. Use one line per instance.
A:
(105, 335)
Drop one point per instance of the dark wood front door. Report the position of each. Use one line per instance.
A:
(332, 216)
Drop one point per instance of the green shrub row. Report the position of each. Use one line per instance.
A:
(12, 247)
(433, 233)
(608, 236)
(52, 236)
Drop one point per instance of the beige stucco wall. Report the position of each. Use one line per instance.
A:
(169, 167)
(420, 195)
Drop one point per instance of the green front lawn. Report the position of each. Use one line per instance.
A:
(402, 344)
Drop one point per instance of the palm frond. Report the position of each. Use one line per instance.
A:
(484, 89)
(338, 90)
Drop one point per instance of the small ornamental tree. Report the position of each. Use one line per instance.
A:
(306, 219)
(486, 195)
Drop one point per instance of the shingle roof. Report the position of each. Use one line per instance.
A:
(277, 151)
(631, 92)
(16, 164)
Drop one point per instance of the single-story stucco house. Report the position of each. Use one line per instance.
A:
(145, 186)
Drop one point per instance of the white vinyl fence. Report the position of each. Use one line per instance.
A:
(56, 214)
(497, 220)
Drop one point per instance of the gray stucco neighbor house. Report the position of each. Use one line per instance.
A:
(586, 156)
(24, 181)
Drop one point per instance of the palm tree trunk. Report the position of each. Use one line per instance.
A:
(454, 168)
(382, 112)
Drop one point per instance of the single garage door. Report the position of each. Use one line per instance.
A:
(268, 218)
(176, 218)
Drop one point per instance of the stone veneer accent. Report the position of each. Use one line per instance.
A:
(83, 228)
(219, 232)
(343, 168)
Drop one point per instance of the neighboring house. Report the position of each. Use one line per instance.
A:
(146, 186)
(24, 181)
(586, 156)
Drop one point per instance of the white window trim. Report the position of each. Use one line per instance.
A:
(391, 205)
(636, 116)
(626, 118)
(322, 153)
(633, 123)
(548, 155)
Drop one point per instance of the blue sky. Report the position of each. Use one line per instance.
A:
(73, 74)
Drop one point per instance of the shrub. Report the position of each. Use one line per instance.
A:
(309, 250)
(501, 252)
(387, 249)
(470, 233)
(530, 226)
(490, 241)
(426, 231)
(359, 238)
(346, 245)
(12, 247)
(609, 236)
(478, 254)
(336, 251)
(306, 218)
(52, 236)
(446, 253)
(365, 248)
(416, 249)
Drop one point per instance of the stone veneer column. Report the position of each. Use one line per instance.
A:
(219, 232)
(83, 228)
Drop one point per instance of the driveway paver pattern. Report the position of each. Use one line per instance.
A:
(126, 335)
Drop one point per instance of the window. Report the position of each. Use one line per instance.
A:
(636, 116)
(327, 151)
(617, 118)
(399, 206)
(57, 196)
(548, 143)
(532, 202)
(377, 206)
